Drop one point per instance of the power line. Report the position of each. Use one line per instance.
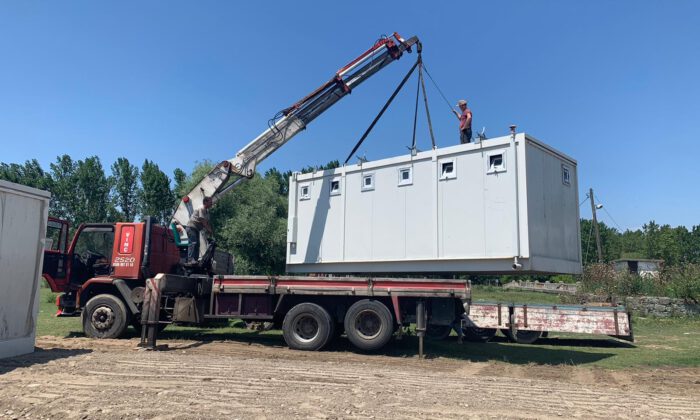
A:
(610, 216)
(584, 200)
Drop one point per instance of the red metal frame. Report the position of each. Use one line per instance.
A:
(384, 42)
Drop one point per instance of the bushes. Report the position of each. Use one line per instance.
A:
(682, 282)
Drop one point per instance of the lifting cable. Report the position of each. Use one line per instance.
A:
(438, 88)
(393, 95)
(415, 111)
(425, 99)
(421, 84)
(420, 87)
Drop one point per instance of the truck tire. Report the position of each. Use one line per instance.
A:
(369, 325)
(522, 337)
(307, 326)
(105, 316)
(438, 332)
(478, 335)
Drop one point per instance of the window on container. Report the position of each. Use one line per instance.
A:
(367, 182)
(496, 163)
(304, 192)
(335, 187)
(565, 175)
(448, 170)
(405, 176)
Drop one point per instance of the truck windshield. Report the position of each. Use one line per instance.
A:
(95, 240)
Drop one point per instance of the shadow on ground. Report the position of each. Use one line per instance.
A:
(550, 351)
(39, 357)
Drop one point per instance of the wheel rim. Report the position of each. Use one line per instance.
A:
(103, 318)
(305, 328)
(368, 324)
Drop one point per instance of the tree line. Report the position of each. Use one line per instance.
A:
(675, 245)
(82, 192)
(252, 222)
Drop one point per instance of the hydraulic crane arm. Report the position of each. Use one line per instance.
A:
(229, 173)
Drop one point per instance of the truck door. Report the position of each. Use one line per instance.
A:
(55, 269)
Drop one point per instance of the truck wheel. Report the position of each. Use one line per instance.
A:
(522, 337)
(369, 325)
(438, 332)
(105, 316)
(479, 335)
(307, 326)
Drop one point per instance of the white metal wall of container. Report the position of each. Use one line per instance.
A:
(23, 218)
(473, 218)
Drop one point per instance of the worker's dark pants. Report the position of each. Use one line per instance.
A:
(465, 136)
(193, 247)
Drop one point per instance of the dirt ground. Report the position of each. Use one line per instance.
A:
(79, 378)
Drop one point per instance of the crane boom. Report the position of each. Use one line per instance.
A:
(228, 174)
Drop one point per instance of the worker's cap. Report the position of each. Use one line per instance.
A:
(461, 102)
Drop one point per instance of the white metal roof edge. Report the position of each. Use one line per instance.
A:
(550, 149)
(11, 186)
(407, 158)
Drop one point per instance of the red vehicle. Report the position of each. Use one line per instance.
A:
(108, 268)
(119, 274)
(103, 270)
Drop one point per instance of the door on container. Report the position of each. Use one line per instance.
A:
(55, 269)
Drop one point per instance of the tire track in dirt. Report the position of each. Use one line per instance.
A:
(236, 380)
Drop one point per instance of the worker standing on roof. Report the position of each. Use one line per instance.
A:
(198, 221)
(465, 122)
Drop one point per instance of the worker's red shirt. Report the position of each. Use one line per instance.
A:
(467, 114)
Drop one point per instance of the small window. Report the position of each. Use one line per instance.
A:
(367, 182)
(304, 192)
(447, 170)
(565, 175)
(335, 187)
(496, 163)
(405, 176)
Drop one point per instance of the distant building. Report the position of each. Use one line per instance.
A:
(640, 266)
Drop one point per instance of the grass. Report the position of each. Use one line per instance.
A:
(497, 294)
(673, 342)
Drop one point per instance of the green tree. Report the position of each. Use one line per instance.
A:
(64, 201)
(92, 193)
(155, 198)
(609, 240)
(125, 178)
(256, 230)
(30, 174)
(180, 178)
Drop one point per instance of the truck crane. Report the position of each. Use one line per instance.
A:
(118, 274)
(230, 173)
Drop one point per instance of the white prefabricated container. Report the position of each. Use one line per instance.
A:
(23, 217)
(505, 205)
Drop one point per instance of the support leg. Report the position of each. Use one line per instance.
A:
(150, 314)
(420, 325)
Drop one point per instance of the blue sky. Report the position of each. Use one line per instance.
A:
(613, 84)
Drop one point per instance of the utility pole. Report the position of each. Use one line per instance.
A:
(595, 226)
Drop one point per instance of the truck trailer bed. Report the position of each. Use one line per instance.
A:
(614, 321)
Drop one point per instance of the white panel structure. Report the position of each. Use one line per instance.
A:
(504, 205)
(23, 217)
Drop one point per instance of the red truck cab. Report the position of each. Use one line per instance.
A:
(102, 258)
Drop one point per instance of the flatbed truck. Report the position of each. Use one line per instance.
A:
(120, 274)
